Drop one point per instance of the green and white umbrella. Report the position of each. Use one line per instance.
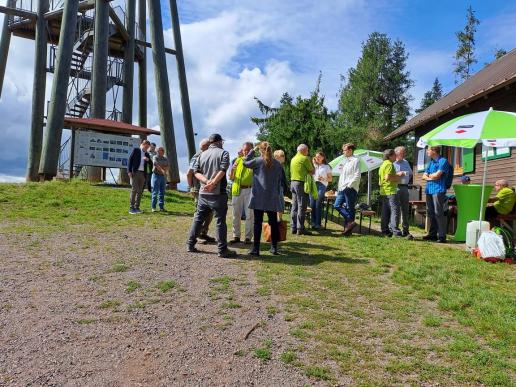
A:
(492, 128)
(369, 161)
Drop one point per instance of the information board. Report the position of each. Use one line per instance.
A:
(103, 150)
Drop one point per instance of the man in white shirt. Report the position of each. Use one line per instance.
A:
(349, 182)
(404, 171)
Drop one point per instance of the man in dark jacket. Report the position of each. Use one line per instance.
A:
(136, 171)
(210, 169)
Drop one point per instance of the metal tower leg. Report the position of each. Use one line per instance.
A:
(127, 109)
(5, 41)
(99, 74)
(183, 87)
(57, 108)
(162, 89)
(38, 96)
(127, 103)
(142, 66)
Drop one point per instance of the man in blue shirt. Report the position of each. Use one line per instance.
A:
(435, 176)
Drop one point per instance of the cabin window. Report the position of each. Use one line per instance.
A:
(495, 153)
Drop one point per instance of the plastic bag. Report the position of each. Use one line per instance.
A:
(491, 245)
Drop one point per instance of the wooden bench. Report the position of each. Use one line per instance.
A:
(365, 214)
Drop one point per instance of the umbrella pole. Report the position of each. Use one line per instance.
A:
(368, 187)
(484, 177)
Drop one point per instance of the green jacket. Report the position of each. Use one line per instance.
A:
(311, 187)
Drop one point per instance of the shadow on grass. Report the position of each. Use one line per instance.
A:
(296, 253)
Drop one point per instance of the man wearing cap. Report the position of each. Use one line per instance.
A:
(194, 186)
(210, 169)
(404, 172)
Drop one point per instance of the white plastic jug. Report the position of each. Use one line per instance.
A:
(473, 231)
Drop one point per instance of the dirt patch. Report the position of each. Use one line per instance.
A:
(124, 309)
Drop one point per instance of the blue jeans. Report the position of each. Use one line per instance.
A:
(345, 204)
(158, 190)
(317, 205)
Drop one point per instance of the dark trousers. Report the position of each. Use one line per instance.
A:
(299, 204)
(273, 222)
(345, 204)
(435, 209)
(403, 201)
(390, 211)
(491, 215)
(206, 225)
(205, 205)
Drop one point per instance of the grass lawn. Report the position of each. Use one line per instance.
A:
(364, 310)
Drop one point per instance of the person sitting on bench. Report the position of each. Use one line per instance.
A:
(505, 201)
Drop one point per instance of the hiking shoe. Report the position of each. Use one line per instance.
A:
(254, 252)
(191, 249)
(227, 254)
(234, 240)
(429, 237)
(349, 228)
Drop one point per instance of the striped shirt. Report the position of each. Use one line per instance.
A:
(437, 186)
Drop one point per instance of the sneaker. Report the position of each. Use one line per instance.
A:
(247, 241)
(274, 250)
(303, 232)
(154, 210)
(441, 240)
(207, 238)
(397, 234)
(234, 240)
(294, 231)
(227, 254)
(387, 234)
(191, 249)
(429, 237)
(132, 211)
(137, 211)
(254, 252)
(162, 210)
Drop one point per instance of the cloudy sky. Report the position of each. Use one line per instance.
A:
(236, 50)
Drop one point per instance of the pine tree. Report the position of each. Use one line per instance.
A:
(431, 96)
(499, 53)
(465, 54)
(375, 99)
(297, 120)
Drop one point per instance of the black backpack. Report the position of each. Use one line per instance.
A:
(449, 176)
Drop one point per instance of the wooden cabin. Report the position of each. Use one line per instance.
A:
(493, 86)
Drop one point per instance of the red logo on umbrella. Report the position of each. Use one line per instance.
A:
(460, 131)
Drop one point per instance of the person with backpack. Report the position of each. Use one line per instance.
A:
(438, 176)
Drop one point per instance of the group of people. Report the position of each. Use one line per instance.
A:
(147, 167)
(259, 184)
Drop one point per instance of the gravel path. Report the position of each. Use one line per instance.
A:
(102, 309)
